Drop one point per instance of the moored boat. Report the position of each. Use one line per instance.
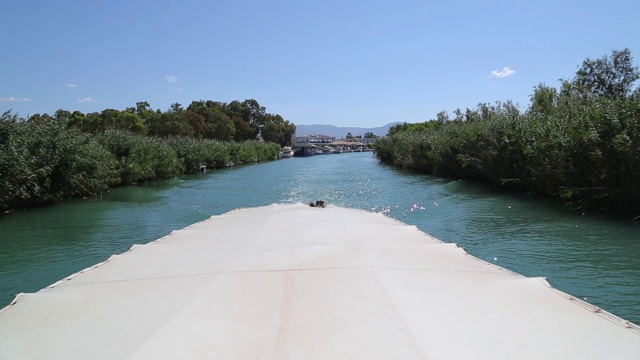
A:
(286, 152)
(304, 150)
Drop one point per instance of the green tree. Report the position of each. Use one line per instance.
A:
(247, 117)
(76, 120)
(40, 119)
(62, 116)
(144, 112)
(218, 125)
(197, 123)
(253, 113)
(370, 135)
(121, 120)
(611, 77)
(544, 100)
(244, 131)
(176, 108)
(277, 130)
(171, 123)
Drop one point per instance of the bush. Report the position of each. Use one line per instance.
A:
(44, 163)
(141, 158)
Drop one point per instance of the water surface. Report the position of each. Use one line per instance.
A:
(583, 254)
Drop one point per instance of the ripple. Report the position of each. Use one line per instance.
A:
(582, 255)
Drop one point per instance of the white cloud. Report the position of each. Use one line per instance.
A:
(87, 100)
(14, 99)
(172, 79)
(71, 85)
(505, 72)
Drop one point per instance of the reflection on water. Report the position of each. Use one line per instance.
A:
(587, 256)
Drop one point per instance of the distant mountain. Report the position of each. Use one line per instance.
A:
(341, 132)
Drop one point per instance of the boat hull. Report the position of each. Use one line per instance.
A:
(304, 151)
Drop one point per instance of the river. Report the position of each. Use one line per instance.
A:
(589, 256)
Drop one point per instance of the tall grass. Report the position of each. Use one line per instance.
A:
(583, 153)
(47, 161)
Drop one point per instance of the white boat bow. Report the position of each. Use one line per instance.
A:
(293, 281)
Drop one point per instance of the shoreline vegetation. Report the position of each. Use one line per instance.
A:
(45, 159)
(578, 144)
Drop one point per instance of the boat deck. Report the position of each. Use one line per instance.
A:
(293, 281)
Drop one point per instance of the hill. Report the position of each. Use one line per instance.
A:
(341, 132)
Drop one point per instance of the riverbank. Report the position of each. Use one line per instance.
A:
(578, 143)
(46, 162)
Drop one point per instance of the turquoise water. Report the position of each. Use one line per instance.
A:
(583, 254)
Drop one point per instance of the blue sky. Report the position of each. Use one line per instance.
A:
(344, 63)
